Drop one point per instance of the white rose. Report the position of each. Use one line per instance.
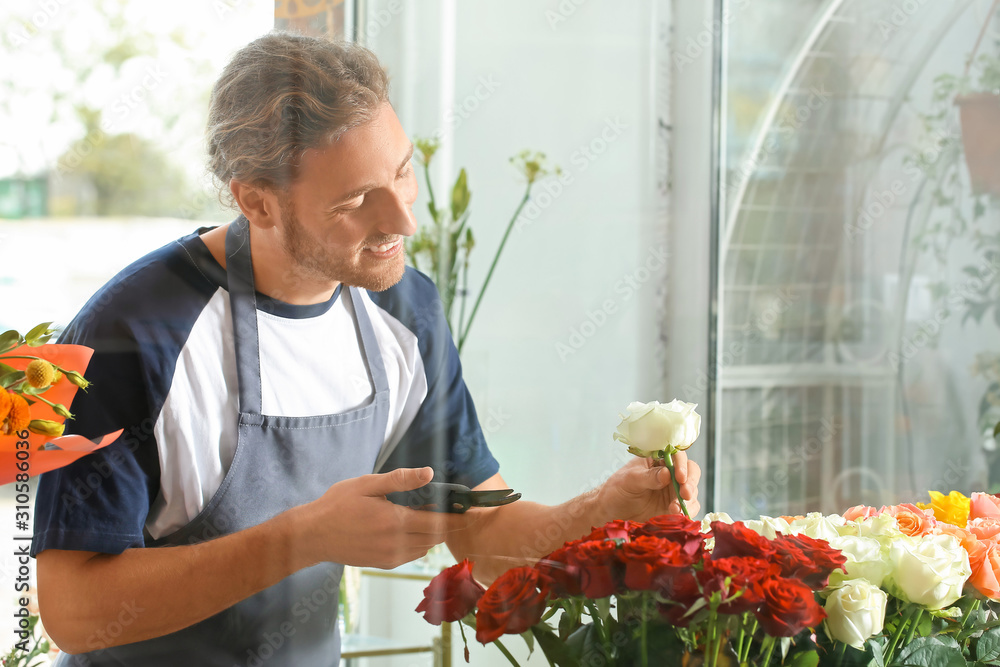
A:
(817, 526)
(867, 559)
(649, 428)
(769, 527)
(882, 527)
(855, 612)
(929, 570)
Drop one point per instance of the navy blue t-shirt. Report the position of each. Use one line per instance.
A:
(164, 370)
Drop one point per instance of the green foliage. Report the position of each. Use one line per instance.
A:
(130, 175)
(40, 647)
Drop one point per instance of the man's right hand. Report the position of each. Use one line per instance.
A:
(354, 524)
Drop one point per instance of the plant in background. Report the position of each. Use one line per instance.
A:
(442, 249)
(41, 647)
(958, 208)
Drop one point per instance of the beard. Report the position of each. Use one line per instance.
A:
(313, 260)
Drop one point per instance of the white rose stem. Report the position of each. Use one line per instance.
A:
(666, 456)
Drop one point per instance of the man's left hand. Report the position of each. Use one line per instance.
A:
(643, 488)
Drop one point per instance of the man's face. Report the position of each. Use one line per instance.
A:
(345, 216)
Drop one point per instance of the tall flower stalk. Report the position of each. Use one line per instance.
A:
(442, 249)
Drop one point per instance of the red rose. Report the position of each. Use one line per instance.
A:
(562, 575)
(789, 606)
(809, 560)
(744, 575)
(451, 595)
(599, 567)
(650, 561)
(738, 540)
(512, 604)
(677, 528)
(618, 529)
(682, 592)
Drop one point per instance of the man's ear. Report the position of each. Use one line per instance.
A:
(257, 203)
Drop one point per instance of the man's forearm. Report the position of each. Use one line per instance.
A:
(523, 532)
(152, 592)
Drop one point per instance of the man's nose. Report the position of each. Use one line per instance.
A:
(397, 217)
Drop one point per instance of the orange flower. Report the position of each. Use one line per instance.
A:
(5, 405)
(911, 520)
(19, 416)
(953, 508)
(985, 564)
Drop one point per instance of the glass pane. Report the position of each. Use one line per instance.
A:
(107, 162)
(858, 354)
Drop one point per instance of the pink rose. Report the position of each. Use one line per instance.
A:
(859, 512)
(984, 505)
(985, 528)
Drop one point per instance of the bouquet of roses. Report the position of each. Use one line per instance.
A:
(647, 593)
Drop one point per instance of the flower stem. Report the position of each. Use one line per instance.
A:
(601, 630)
(913, 624)
(503, 649)
(745, 655)
(493, 265)
(669, 463)
(770, 641)
(645, 650)
(891, 652)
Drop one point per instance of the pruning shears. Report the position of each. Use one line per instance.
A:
(451, 498)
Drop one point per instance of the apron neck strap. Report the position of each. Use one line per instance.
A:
(243, 305)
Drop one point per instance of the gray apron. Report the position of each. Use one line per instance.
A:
(280, 462)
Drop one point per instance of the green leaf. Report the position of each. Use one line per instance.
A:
(568, 623)
(9, 340)
(603, 608)
(529, 639)
(996, 430)
(556, 650)
(988, 646)
(460, 195)
(8, 380)
(878, 653)
(804, 659)
(434, 213)
(929, 652)
(37, 332)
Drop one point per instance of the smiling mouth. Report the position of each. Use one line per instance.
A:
(385, 249)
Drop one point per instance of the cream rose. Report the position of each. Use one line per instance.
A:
(650, 428)
(817, 526)
(929, 570)
(855, 612)
(769, 527)
(867, 558)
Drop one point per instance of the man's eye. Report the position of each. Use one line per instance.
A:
(348, 209)
(406, 172)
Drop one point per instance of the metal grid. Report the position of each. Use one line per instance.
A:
(801, 326)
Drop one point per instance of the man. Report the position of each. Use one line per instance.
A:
(263, 370)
